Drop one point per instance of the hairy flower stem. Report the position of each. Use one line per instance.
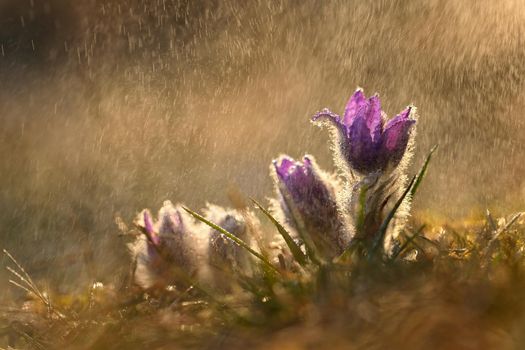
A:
(370, 201)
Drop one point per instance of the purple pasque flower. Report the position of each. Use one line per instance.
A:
(166, 249)
(306, 190)
(224, 256)
(222, 252)
(366, 146)
(300, 180)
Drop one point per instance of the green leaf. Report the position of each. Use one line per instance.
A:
(355, 243)
(422, 172)
(382, 229)
(297, 253)
(411, 189)
(232, 237)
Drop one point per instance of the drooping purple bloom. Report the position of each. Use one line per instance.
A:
(364, 143)
(307, 191)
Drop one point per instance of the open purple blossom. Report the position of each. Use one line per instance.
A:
(307, 191)
(365, 144)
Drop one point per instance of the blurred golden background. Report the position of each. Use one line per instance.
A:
(110, 106)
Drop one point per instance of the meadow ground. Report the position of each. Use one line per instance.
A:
(462, 289)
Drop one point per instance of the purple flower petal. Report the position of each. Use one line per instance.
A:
(396, 128)
(327, 114)
(170, 220)
(396, 135)
(361, 150)
(298, 176)
(374, 119)
(145, 221)
(148, 221)
(148, 225)
(356, 105)
(283, 169)
(307, 161)
(168, 245)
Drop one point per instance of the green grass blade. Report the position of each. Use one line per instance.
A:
(490, 245)
(407, 242)
(232, 237)
(354, 244)
(411, 189)
(382, 229)
(511, 222)
(491, 221)
(422, 172)
(297, 253)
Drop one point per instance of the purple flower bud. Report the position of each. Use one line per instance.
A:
(307, 191)
(363, 142)
(167, 250)
(224, 256)
(222, 252)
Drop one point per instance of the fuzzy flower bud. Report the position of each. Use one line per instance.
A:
(222, 252)
(167, 251)
(225, 256)
(306, 190)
